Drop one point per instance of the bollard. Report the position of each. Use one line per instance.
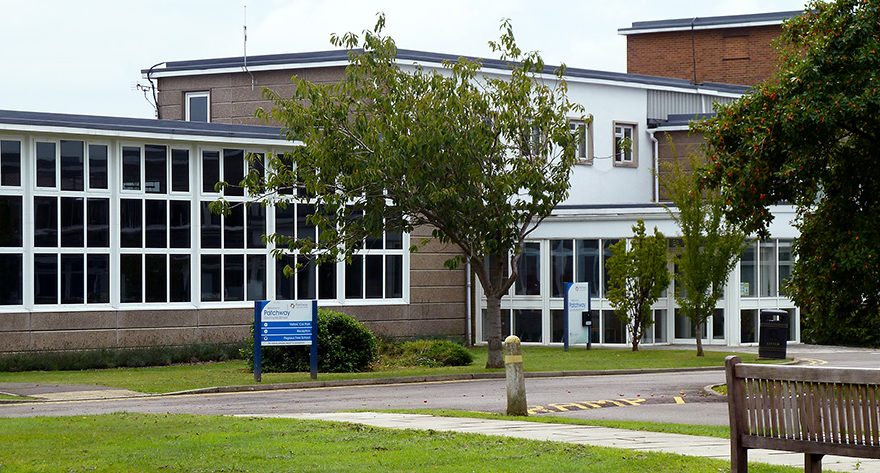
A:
(516, 382)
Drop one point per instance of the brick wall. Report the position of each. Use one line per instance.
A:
(729, 55)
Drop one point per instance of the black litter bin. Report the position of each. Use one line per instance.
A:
(773, 338)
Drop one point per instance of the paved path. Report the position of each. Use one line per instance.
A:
(587, 435)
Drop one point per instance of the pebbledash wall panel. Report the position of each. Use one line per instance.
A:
(107, 241)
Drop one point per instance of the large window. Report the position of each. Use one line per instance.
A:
(765, 268)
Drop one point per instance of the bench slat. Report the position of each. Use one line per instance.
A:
(815, 374)
(875, 428)
(805, 446)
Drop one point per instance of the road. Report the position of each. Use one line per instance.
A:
(657, 397)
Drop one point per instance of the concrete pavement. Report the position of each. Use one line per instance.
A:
(690, 445)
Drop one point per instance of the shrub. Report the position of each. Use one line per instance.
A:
(430, 353)
(344, 346)
(118, 358)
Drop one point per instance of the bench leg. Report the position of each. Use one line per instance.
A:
(739, 460)
(813, 462)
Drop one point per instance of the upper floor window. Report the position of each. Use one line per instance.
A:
(625, 144)
(584, 141)
(198, 107)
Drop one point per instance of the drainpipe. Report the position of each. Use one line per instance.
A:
(468, 303)
(656, 166)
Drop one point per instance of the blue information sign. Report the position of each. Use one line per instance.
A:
(279, 323)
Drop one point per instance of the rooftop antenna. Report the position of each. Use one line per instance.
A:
(253, 81)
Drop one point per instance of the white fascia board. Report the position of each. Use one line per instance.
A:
(60, 130)
(672, 128)
(746, 24)
(225, 70)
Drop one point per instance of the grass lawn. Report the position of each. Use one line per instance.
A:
(719, 431)
(128, 442)
(181, 377)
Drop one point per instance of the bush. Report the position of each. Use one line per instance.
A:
(430, 353)
(118, 358)
(344, 346)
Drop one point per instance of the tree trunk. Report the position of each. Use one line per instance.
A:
(493, 331)
(698, 331)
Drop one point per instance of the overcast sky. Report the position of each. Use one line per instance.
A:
(85, 56)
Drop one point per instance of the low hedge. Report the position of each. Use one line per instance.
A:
(344, 346)
(118, 358)
(430, 353)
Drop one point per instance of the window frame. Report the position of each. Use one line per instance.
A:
(587, 124)
(194, 94)
(617, 159)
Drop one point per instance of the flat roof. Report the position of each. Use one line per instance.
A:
(340, 58)
(710, 22)
(140, 125)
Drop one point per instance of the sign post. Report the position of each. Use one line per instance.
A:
(283, 323)
(577, 305)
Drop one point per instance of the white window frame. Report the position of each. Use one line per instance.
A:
(620, 156)
(190, 95)
(583, 154)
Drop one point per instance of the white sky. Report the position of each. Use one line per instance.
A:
(84, 56)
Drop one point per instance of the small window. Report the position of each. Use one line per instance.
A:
(584, 141)
(45, 164)
(45, 278)
(45, 221)
(72, 165)
(625, 144)
(10, 279)
(98, 279)
(210, 227)
(98, 223)
(156, 231)
(10, 163)
(256, 225)
(72, 278)
(155, 169)
(97, 166)
(233, 171)
(179, 170)
(130, 223)
(130, 276)
(211, 274)
(210, 170)
(10, 221)
(233, 227)
(233, 283)
(198, 106)
(179, 276)
(256, 277)
(155, 272)
(131, 168)
(72, 222)
(179, 211)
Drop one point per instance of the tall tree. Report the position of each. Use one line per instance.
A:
(710, 244)
(481, 159)
(810, 137)
(636, 278)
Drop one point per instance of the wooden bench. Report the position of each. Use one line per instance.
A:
(816, 411)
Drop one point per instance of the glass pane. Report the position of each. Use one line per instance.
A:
(10, 279)
(210, 170)
(528, 280)
(718, 324)
(304, 228)
(768, 268)
(45, 164)
(306, 279)
(527, 324)
(156, 226)
(211, 278)
(10, 221)
(98, 223)
(786, 264)
(749, 323)
(505, 324)
(179, 221)
(748, 264)
(561, 265)
(684, 328)
(284, 286)
(72, 165)
(284, 218)
(256, 225)
(373, 276)
(233, 229)
(606, 253)
(72, 279)
(10, 163)
(180, 170)
(210, 227)
(327, 281)
(130, 278)
(792, 324)
(130, 224)
(45, 221)
(45, 279)
(233, 171)
(354, 278)
(557, 326)
(394, 276)
(587, 254)
(256, 277)
(179, 278)
(198, 108)
(155, 271)
(98, 279)
(131, 168)
(613, 327)
(393, 240)
(660, 326)
(233, 270)
(155, 169)
(72, 222)
(97, 166)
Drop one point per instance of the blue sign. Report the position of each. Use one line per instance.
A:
(279, 323)
(576, 327)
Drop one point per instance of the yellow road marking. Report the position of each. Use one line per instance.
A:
(678, 400)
